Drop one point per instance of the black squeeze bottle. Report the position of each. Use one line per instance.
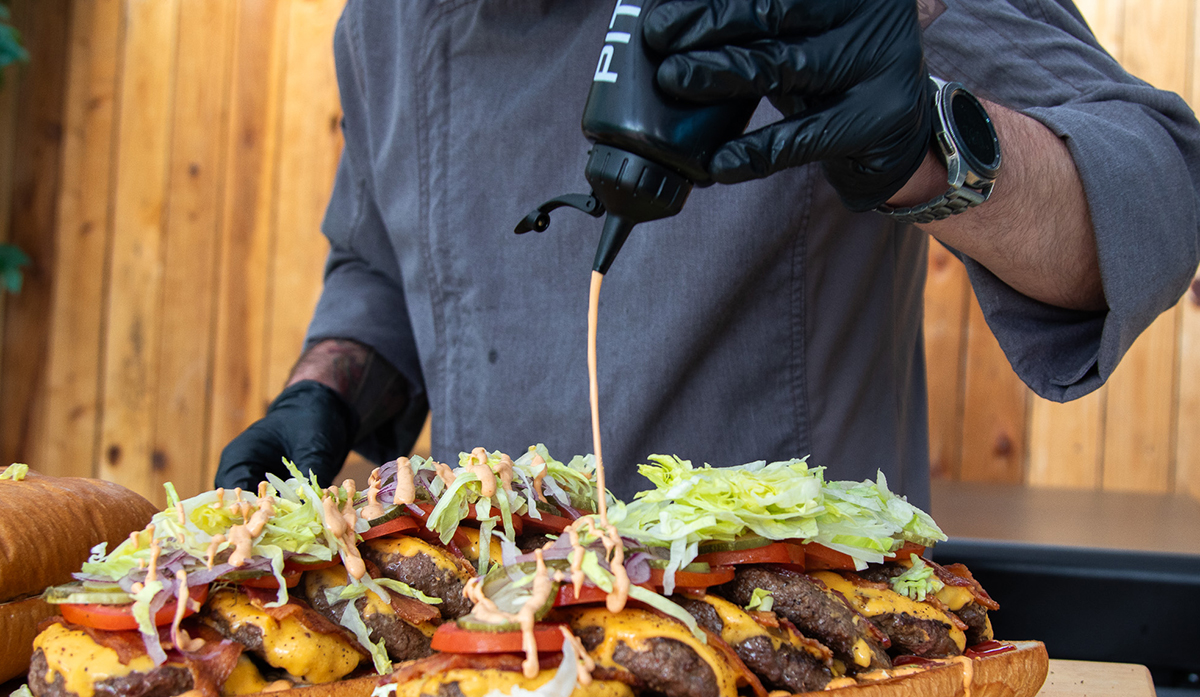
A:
(648, 149)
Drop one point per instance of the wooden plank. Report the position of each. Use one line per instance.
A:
(246, 223)
(1187, 444)
(1138, 438)
(947, 293)
(82, 238)
(1093, 679)
(44, 26)
(1138, 447)
(190, 259)
(1107, 20)
(311, 143)
(1156, 38)
(8, 136)
(139, 197)
(994, 417)
(1064, 442)
(1187, 438)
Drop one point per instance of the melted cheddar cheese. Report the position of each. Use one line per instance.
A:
(82, 662)
(737, 626)
(336, 576)
(475, 683)
(412, 546)
(955, 597)
(635, 628)
(881, 601)
(312, 656)
(244, 680)
(471, 551)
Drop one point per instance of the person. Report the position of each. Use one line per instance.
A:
(779, 314)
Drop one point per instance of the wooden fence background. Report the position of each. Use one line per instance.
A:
(166, 165)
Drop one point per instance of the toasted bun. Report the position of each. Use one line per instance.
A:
(1017, 673)
(48, 524)
(47, 527)
(18, 626)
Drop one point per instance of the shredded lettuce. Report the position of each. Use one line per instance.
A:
(665, 605)
(336, 594)
(22, 691)
(778, 501)
(761, 600)
(145, 623)
(404, 589)
(16, 472)
(353, 621)
(918, 581)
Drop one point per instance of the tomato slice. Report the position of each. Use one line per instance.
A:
(774, 553)
(270, 582)
(450, 638)
(549, 523)
(588, 595)
(695, 579)
(292, 567)
(906, 549)
(120, 617)
(398, 524)
(819, 557)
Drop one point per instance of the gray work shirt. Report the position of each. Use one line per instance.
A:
(764, 321)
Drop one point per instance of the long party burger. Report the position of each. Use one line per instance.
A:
(729, 581)
(502, 576)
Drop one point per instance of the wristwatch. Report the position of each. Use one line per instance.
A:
(965, 140)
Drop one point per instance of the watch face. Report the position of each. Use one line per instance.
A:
(974, 133)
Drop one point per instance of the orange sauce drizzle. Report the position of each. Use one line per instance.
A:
(406, 488)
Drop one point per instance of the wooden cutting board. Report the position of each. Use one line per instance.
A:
(1091, 679)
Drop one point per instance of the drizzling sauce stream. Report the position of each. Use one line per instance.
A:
(594, 394)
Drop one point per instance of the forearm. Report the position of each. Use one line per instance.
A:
(365, 380)
(1035, 232)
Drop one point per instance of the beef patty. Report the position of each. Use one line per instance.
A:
(816, 611)
(163, 681)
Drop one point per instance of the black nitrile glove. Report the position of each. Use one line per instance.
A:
(308, 423)
(848, 75)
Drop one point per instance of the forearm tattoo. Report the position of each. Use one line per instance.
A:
(364, 378)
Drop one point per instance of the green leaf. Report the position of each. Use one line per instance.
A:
(11, 261)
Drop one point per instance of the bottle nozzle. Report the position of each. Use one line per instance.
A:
(616, 230)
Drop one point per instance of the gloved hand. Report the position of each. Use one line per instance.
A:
(308, 423)
(848, 75)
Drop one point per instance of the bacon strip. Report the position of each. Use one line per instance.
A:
(748, 677)
(127, 644)
(412, 610)
(212, 665)
(440, 663)
(815, 647)
(766, 619)
(959, 575)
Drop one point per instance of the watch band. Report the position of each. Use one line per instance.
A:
(967, 187)
(954, 201)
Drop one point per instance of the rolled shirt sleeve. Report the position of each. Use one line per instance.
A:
(1137, 150)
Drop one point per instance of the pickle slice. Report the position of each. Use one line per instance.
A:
(389, 514)
(741, 543)
(84, 593)
(509, 596)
